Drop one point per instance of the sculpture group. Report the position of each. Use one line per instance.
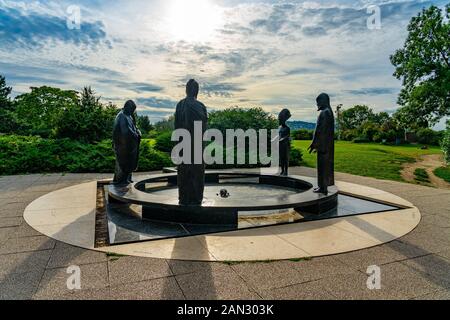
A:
(191, 177)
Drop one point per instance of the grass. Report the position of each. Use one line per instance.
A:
(443, 173)
(369, 159)
(421, 175)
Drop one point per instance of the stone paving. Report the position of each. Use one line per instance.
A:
(33, 266)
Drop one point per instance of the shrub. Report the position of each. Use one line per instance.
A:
(362, 139)
(429, 137)
(446, 143)
(23, 155)
(164, 143)
(303, 134)
(296, 157)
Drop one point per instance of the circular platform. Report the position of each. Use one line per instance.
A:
(248, 192)
(69, 215)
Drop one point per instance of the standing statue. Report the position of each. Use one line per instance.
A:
(191, 177)
(285, 141)
(126, 140)
(323, 143)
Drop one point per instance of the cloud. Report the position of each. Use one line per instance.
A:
(159, 103)
(277, 20)
(28, 29)
(220, 89)
(372, 91)
(138, 87)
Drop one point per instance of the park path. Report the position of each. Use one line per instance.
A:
(429, 163)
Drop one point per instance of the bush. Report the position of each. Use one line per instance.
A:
(362, 139)
(446, 143)
(296, 157)
(164, 143)
(24, 155)
(303, 134)
(429, 137)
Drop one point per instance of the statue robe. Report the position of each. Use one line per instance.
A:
(285, 148)
(191, 177)
(126, 140)
(324, 142)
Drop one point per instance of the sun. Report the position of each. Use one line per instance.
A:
(193, 21)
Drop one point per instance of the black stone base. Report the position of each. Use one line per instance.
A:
(323, 206)
(192, 215)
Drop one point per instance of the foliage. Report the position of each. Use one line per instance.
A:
(443, 173)
(303, 134)
(428, 136)
(424, 66)
(21, 155)
(7, 121)
(55, 113)
(88, 120)
(446, 143)
(421, 175)
(240, 118)
(40, 111)
(166, 125)
(163, 142)
(143, 123)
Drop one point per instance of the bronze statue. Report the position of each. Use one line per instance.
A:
(191, 177)
(323, 143)
(126, 141)
(285, 141)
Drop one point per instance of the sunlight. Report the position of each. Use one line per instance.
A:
(193, 21)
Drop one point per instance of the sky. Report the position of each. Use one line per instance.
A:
(271, 54)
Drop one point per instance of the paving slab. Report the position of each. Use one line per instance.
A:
(305, 291)
(17, 263)
(137, 269)
(17, 245)
(158, 289)
(65, 255)
(215, 285)
(54, 281)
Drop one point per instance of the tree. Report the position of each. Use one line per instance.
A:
(424, 67)
(88, 120)
(354, 117)
(143, 123)
(39, 111)
(7, 122)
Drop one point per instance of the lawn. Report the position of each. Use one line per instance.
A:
(371, 159)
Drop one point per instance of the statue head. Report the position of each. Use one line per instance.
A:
(129, 108)
(284, 116)
(192, 89)
(323, 101)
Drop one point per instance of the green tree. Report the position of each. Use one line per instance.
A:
(7, 122)
(39, 111)
(143, 123)
(354, 117)
(424, 67)
(88, 120)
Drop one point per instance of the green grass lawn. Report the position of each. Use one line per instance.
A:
(371, 159)
(443, 173)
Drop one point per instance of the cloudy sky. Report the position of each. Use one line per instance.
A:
(272, 54)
